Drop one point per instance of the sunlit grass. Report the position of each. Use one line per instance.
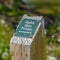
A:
(6, 32)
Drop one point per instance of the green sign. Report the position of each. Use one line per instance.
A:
(27, 27)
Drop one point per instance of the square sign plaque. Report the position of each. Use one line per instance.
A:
(27, 27)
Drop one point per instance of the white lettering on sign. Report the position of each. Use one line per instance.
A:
(25, 32)
(27, 28)
(24, 28)
(28, 22)
(27, 25)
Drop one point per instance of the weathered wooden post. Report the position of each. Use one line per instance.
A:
(27, 42)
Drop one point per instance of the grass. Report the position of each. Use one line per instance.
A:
(6, 32)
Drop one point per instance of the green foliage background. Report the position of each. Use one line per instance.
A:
(44, 7)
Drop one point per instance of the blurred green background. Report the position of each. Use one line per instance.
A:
(11, 12)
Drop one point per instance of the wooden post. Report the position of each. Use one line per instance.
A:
(28, 43)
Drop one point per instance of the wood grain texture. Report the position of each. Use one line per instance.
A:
(38, 47)
(25, 52)
(16, 51)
